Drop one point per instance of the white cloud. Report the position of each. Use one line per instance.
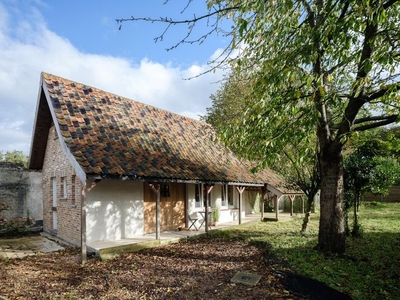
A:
(28, 47)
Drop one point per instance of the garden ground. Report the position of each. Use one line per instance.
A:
(202, 267)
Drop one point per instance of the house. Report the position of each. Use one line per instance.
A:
(114, 168)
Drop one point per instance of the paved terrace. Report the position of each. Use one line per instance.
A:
(108, 249)
(32, 245)
(27, 246)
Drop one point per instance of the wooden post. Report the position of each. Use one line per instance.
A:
(208, 190)
(302, 205)
(264, 192)
(83, 218)
(240, 190)
(158, 210)
(291, 197)
(156, 189)
(277, 207)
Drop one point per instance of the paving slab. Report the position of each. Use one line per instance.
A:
(26, 246)
(246, 278)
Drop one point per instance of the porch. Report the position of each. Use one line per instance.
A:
(108, 249)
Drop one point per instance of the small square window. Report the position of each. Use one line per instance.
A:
(164, 192)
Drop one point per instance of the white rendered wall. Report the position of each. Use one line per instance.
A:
(226, 214)
(114, 210)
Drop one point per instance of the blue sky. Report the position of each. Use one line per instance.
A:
(81, 41)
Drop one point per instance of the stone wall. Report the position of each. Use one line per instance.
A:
(20, 195)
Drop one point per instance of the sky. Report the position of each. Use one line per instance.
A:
(81, 41)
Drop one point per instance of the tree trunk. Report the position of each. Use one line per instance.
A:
(331, 236)
(310, 199)
(356, 227)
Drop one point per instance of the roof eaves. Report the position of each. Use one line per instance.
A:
(159, 179)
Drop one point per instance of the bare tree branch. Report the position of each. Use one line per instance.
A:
(389, 3)
(375, 118)
(382, 92)
(385, 121)
(217, 11)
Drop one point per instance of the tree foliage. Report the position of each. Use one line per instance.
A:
(367, 170)
(317, 65)
(14, 156)
(322, 68)
(303, 170)
(317, 68)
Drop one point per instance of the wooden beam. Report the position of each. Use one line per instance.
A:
(208, 190)
(156, 188)
(291, 197)
(264, 192)
(277, 207)
(240, 190)
(84, 192)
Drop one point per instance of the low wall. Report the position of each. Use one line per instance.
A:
(20, 195)
(393, 196)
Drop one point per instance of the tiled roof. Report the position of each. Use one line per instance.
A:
(110, 135)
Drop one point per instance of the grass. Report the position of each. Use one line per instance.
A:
(368, 270)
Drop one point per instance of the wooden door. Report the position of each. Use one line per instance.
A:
(172, 214)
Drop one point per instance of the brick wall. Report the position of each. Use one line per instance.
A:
(58, 171)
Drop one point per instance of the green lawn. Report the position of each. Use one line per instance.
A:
(370, 269)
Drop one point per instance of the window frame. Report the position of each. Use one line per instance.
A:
(165, 191)
(63, 188)
(73, 190)
(198, 203)
(224, 196)
(230, 193)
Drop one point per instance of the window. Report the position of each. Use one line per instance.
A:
(164, 191)
(63, 188)
(201, 203)
(73, 190)
(198, 202)
(224, 195)
(230, 195)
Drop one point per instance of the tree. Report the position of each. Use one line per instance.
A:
(372, 166)
(294, 165)
(14, 156)
(319, 68)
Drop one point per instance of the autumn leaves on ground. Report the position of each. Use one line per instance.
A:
(198, 268)
(202, 267)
